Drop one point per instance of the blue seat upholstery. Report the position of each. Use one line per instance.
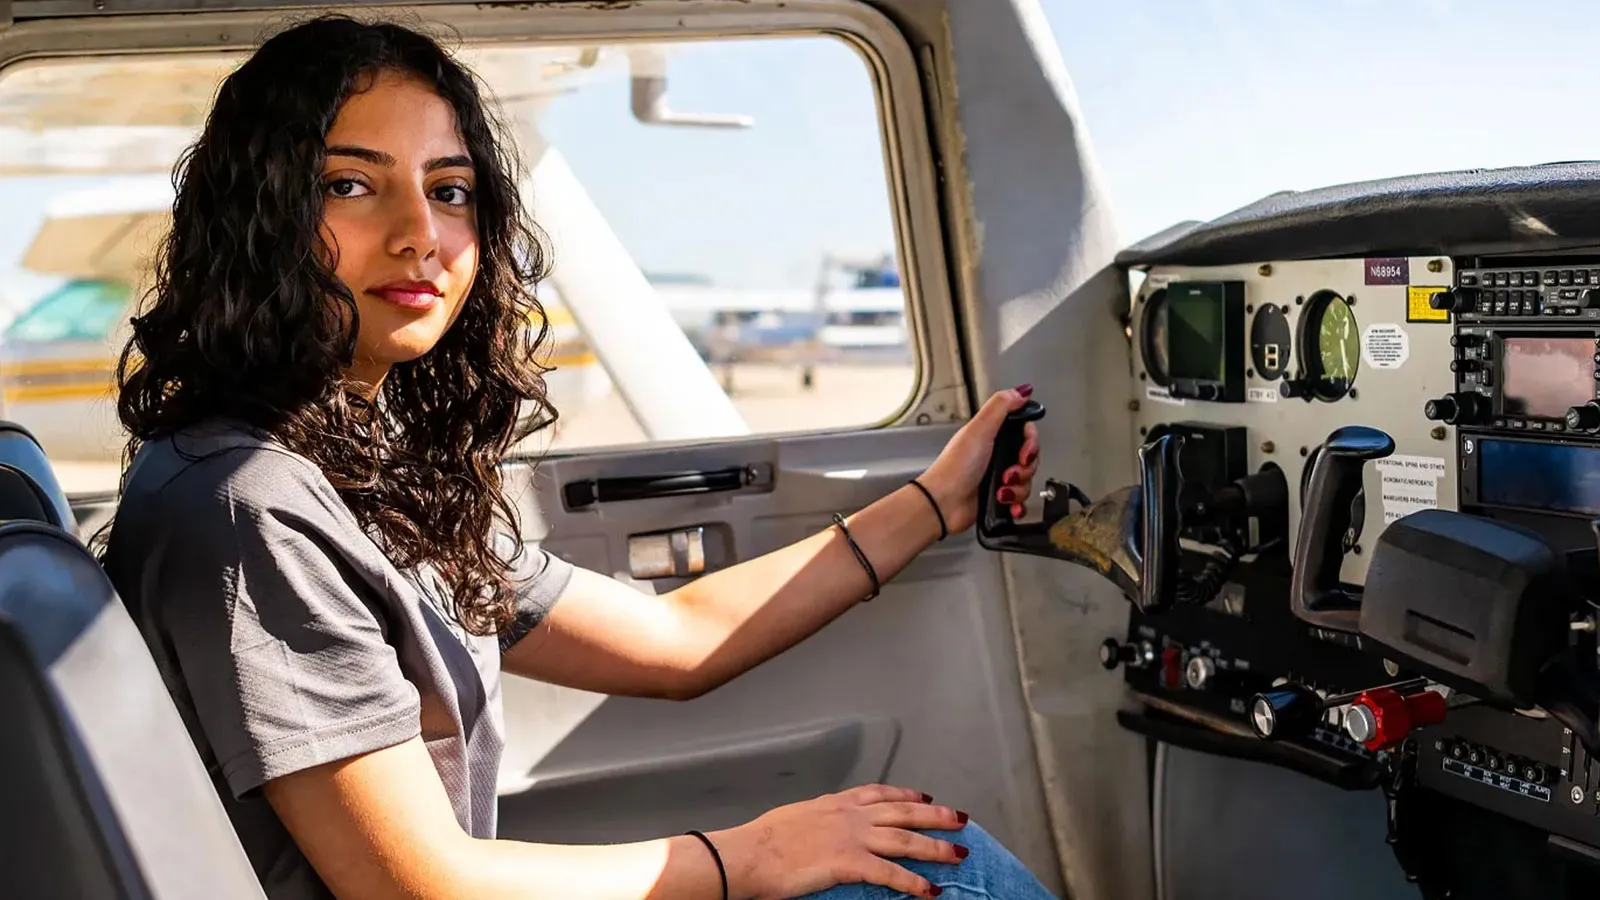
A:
(105, 796)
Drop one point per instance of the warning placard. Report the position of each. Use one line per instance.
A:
(1385, 346)
(1410, 483)
(1419, 304)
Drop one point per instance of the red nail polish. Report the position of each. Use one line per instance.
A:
(1011, 478)
(961, 817)
(1028, 461)
(1007, 495)
(935, 891)
(927, 798)
(962, 852)
(1024, 389)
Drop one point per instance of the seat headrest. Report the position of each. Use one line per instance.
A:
(23, 460)
(22, 499)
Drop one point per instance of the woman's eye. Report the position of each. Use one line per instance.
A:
(345, 187)
(453, 194)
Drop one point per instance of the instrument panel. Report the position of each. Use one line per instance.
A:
(1274, 356)
(1482, 374)
(1364, 541)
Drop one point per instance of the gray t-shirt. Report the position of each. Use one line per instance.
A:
(288, 640)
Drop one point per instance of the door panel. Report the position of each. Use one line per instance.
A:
(669, 791)
(917, 687)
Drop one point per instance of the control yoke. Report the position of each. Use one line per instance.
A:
(1129, 537)
(1316, 594)
(1480, 605)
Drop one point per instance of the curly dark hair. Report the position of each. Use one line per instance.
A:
(246, 319)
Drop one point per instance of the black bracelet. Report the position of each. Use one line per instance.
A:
(860, 557)
(944, 531)
(721, 871)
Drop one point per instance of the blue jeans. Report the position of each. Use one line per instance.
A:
(991, 872)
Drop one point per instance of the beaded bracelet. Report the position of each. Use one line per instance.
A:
(860, 556)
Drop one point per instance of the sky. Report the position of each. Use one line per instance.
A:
(1193, 108)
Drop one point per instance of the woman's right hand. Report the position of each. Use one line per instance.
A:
(843, 838)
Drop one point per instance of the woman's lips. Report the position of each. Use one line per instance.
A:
(407, 298)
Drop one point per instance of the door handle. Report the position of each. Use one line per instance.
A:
(589, 491)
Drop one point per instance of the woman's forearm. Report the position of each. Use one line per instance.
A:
(774, 601)
(678, 868)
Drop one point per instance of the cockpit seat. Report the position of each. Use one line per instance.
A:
(104, 795)
(25, 472)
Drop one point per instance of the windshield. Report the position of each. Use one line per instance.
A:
(1197, 107)
(77, 311)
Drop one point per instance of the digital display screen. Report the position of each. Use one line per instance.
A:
(1554, 477)
(1194, 334)
(1546, 375)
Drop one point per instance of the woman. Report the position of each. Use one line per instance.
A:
(313, 539)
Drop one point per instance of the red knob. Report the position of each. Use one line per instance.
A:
(1382, 718)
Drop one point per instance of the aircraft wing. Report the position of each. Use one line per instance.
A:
(134, 115)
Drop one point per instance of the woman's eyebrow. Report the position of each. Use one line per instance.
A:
(379, 158)
(376, 157)
(448, 162)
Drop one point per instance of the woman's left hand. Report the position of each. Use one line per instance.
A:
(954, 477)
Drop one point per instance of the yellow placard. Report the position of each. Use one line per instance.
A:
(1418, 307)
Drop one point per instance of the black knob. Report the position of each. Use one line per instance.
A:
(1466, 340)
(1286, 711)
(1208, 392)
(1465, 365)
(1585, 417)
(1135, 656)
(1462, 299)
(1460, 408)
(1590, 298)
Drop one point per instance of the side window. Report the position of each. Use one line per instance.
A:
(757, 208)
(718, 211)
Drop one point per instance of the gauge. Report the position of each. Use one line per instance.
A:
(1270, 339)
(1330, 346)
(1153, 336)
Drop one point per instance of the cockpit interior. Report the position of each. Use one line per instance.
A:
(1308, 607)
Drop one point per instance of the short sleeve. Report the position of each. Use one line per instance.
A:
(539, 578)
(275, 631)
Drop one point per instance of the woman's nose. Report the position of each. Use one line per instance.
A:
(413, 231)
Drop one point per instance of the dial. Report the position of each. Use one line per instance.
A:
(1270, 339)
(1153, 337)
(1330, 346)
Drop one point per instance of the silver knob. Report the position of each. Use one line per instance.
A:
(1199, 671)
(1359, 723)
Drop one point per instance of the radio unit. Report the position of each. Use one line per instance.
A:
(1524, 378)
(1544, 292)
